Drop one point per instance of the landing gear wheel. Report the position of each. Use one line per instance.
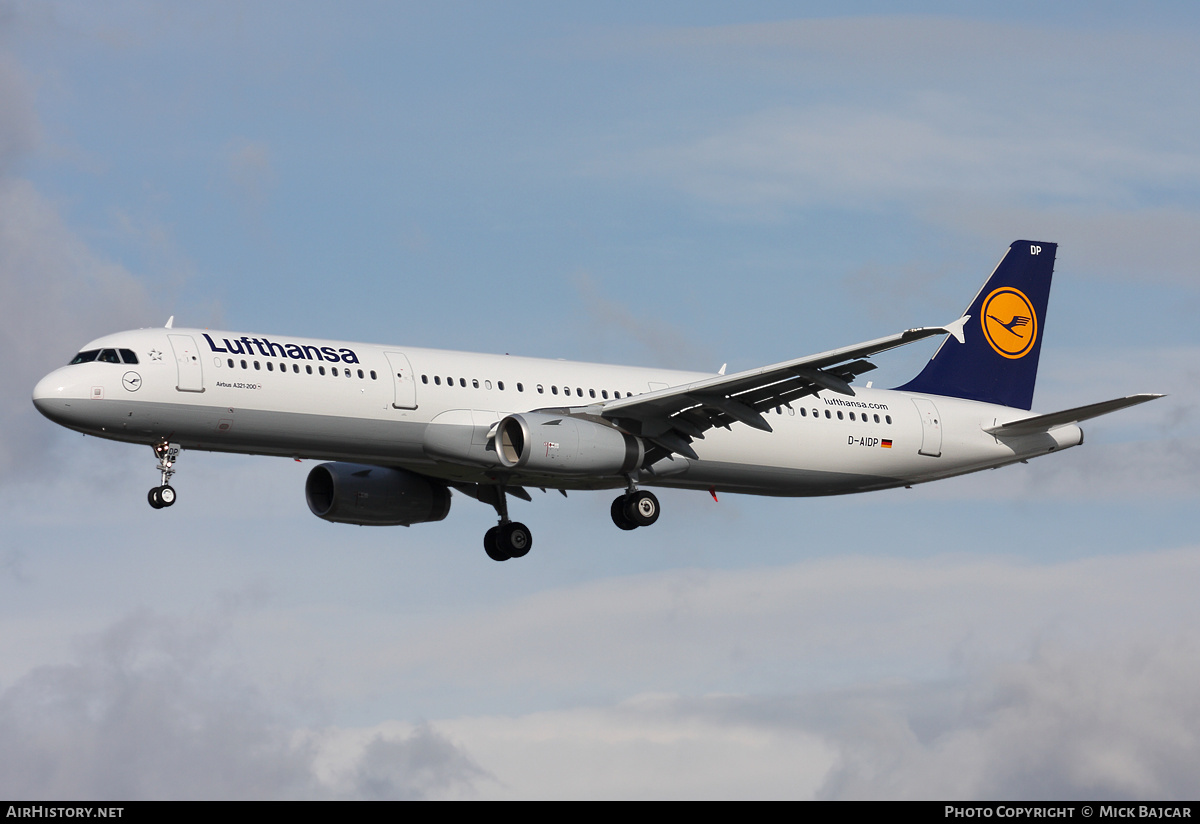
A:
(617, 510)
(153, 497)
(515, 538)
(490, 545)
(642, 508)
(166, 495)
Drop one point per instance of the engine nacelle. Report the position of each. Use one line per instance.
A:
(347, 493)
(562, 445)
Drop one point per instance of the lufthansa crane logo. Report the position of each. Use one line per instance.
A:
(1009, 322)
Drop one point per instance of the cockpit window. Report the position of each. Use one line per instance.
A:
(128, 356)
(109, 356)
(85, 357)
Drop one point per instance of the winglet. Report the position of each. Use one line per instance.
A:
(170, 322)
(956, 328)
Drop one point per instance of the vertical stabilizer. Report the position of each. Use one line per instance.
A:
(998, 360)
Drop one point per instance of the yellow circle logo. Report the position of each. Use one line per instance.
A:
(1009, 322)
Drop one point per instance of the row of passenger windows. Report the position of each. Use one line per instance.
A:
(475, 383)
(841, 416)
(308, 368)
(105, 356)
(437, 380)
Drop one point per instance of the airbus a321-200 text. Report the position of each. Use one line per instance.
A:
(400, 427)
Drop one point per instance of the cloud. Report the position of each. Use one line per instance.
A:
(954, 676)
(1103, 723)
(936, 148)
(1106, 723)
(153, 709)
(53, 283)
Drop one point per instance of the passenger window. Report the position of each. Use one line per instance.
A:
(539, 388)
(424, 379)
(296, 368)
(604, 394)
(889, 418)
(803, 412)
(333, 369)
(487, 384)
(462, 382)
(257, 366)
(553, 390)
(437, 380)
(244, 365)
(591, 393)
(321, 369)
(230, 363)
(372, 374)
(474, 383)
(360, 373)
(827, 415)
(270, 366)
(851, 416)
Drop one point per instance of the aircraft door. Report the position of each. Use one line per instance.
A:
(404, 381)
(931, 428)
(187, 360)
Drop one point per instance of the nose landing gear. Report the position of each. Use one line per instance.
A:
(164, 495)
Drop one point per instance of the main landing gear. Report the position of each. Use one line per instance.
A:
(508, 539)
(635, 508)
(164, 495)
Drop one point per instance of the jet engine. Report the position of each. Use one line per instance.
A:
(562, 445)
(347, 493)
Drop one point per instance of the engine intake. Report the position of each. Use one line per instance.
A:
(562, 445)
(347, 493)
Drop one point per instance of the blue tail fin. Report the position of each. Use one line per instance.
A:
(999, 360)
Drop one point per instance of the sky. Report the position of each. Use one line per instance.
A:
(670, 184)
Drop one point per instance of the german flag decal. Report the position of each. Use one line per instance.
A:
(886, 443)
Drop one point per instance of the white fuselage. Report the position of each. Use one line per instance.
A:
(431, 411)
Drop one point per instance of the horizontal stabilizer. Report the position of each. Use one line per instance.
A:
(1043, 423)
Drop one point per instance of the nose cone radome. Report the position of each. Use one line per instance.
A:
(53, 395)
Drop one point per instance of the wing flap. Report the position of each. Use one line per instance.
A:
(674, 416)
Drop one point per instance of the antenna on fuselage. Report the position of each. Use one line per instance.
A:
(170, 322)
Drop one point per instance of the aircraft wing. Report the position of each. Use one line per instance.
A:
(672, 417)
(1044, 423)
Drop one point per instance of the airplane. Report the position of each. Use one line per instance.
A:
(399, 427)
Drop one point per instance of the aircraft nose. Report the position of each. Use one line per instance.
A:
(50, 393)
